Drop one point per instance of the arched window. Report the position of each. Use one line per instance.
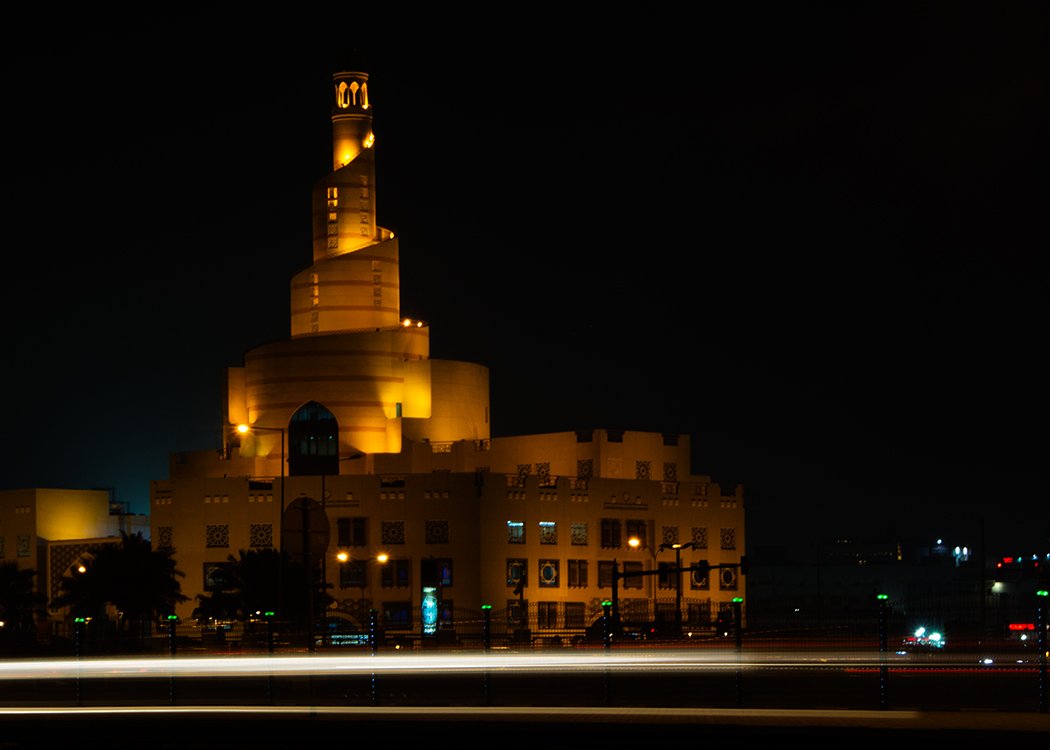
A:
(313, 441)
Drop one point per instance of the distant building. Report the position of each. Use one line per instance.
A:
(48, 529)
(352, 425)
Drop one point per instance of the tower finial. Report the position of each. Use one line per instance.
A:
(351, 117)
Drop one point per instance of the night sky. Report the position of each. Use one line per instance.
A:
(811, 238)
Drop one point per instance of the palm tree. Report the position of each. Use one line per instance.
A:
(18, 599)
(254, 577)
(140, 582)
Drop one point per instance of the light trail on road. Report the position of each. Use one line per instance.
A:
(414, 663)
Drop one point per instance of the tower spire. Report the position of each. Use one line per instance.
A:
(351, 117)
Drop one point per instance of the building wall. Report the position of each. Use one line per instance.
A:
(33, 520)
(416, 457)
(407, 515)
(74, 514)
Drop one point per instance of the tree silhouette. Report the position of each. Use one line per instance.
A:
(18, 599)
(254, 578)
(140, 582)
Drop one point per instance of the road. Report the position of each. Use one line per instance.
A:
(585, 695)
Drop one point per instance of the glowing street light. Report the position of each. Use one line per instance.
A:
(677, 579)
(244, 429)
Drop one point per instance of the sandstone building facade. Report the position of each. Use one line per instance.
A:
(352, 421)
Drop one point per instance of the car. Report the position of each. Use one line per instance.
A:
(923, 640)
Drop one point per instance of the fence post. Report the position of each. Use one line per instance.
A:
(373, 627)
(486, 624)
(606, 624)
(173, 621)
(607, 643)
(738, 637)
(883, 668)
(1040, 639)
(78, 648)
(738, 622)
(373, 630)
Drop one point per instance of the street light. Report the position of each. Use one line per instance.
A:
(677, 547)
(244, 429)
(343, 557)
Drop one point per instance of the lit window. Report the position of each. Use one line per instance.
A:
(516, 532)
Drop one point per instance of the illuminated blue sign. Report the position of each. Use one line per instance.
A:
(430, 610)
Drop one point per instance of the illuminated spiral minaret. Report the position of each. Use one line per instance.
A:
(350, 349)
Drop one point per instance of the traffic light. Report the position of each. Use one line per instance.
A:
(703, 567)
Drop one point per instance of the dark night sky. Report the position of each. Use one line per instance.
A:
(812, 239)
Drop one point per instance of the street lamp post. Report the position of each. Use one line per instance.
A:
(244, 429)
(677, 580)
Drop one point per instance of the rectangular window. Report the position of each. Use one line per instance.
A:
(446, 612)
(397, 615)
(610, 533)
(699, 613)
(548, 532)
(577, 573)
(394, 574)
(664, 576)
(517, 611)
(24, 545)
(579, 534)
(516, 532)
(635, 609)
(632, 581)
(351, 532)
(637, 529)
(352, 574)
(546, 615)
(437, 571)
(605, 574)
(218, 577)
(575, 615)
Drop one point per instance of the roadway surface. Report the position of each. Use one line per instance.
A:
(614, 698)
